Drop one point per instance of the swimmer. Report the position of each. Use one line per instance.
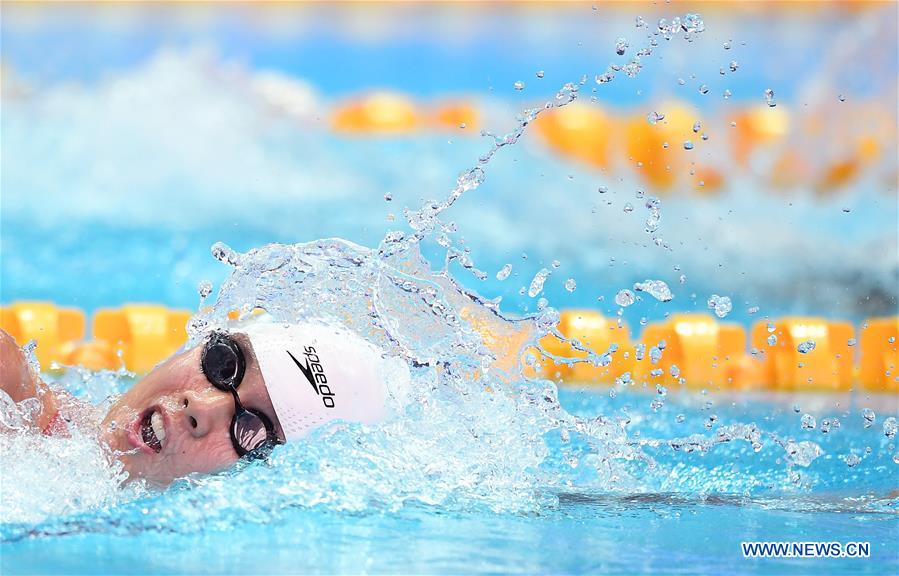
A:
(235, 395)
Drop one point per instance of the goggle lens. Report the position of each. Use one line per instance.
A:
(224, 365)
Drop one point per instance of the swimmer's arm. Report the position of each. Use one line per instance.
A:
(20, 382)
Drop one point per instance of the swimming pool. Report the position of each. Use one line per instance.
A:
(689, 514)
(123, 179)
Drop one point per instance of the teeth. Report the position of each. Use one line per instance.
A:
(156, 422)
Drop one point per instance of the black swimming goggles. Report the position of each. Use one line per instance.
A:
(224, 365)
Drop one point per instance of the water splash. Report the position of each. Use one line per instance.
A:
(474, 432)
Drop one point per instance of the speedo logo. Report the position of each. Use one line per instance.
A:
(315, 374)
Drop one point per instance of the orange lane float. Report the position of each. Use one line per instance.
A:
(707, 181)
(57, 330)
(579, 131)
(758, 126)
(693, 347)
(879, 359)
(657, 148)
(593, 331)
(802, 353)
(96, 355)
(377, 113)
(144, 334)
(456, 115)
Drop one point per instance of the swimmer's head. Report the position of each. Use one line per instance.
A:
(174, 421)
(238, 394)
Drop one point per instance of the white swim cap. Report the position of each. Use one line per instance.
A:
(317, 373)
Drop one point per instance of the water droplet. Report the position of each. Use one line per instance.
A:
(727, 94)
(769, 97)
(703, 89)
(806, 347)
(519, 85)
(720, 304)
(692, 23)
(841, 98)
(825, 426)
(796, 408)
(889, 427)
(504, 272)
(808, 422)
(537, 282)
(655, 288)
(621, 46)
(772, 340)
(851, 342)
(570, 285)
(674, 371)
(771, 328)
(603, 189)
(891, 339)
(681, 81)
(628, 207)
(388, 197)
(655, 354)
(224, 253)
(852, 460)
(752, 310)
(655, 117)
(869, 417)
(727, 45)
(639, 349)
(682, 279)
(204, 288)
(680, 418)
(540, 74)
(734, 65)
(625, 298)
(697, 126)
(612, 393)
(688, 144)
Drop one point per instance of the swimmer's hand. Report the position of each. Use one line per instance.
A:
(20, 382)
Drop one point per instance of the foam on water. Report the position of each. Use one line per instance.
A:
(472, 432)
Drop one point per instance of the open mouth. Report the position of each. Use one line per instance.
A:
(152, 430)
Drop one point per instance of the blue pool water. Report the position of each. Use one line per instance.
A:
(691, 518)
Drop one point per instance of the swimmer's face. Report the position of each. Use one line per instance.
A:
(192, 418)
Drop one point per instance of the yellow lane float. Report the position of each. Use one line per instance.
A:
(695, 348)
(805, 353)
(144, 334)
(593, 331)
(57, 330)
(579, 131)
(656, 145)
(378, 113)
(879, 360)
